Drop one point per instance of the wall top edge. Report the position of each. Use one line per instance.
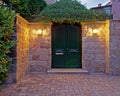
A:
(18, 16)
(36, 23)
(96, 22)
(115, 20)
(30, 23)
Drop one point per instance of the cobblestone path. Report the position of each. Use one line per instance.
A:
(64, 85)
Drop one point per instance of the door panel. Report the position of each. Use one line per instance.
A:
(66, 46)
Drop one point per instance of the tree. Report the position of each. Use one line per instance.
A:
(27, 8)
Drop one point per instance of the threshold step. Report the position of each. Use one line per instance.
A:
(69, 71)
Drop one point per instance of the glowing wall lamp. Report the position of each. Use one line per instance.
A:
(95, 32)
(39, 32)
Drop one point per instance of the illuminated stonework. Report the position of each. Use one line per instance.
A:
(95, 54)
(100, 47)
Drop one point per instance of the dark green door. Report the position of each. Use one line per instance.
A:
(66, 46)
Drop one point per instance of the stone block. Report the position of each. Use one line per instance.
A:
(36, 57)
(39, 67)
(44, 57)
(45, 45)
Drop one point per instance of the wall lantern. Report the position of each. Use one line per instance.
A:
(39, 32)
(95, 32)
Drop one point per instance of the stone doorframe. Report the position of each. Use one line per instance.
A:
(34, 49)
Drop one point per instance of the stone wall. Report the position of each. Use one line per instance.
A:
(94, 46)
(114, 67)
(11, 77)
(22, 48)
(100, 47)
(40, 47)
(116, 9)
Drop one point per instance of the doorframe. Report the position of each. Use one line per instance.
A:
(82, 62)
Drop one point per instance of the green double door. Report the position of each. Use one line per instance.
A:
(66, 46)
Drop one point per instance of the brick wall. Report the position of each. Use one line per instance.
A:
(116, 9)
(114, 47)
(22, 48)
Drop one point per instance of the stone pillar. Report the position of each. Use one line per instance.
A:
(95, 45)
(107, 50)
(40, 47)
(22, 48)
(33, 49)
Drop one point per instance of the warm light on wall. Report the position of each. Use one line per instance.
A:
(36, 33)
(39, 32)
(95, 32)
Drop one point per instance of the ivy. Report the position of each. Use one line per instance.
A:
(69, 11)
(6, 31)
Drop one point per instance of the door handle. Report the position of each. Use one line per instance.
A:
(59, 53)
(59, 50)
(74, 51)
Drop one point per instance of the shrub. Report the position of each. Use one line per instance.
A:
(6, 30)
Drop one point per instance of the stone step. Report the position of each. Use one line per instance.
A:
(68, 71)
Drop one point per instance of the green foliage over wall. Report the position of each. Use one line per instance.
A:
(6, 30)
(27, 8)
(69, 11)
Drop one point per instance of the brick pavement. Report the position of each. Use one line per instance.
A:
(64, 85)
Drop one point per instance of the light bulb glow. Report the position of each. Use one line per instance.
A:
(39, 32)
(95, 31)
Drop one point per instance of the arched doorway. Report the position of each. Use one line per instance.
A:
(66, 45)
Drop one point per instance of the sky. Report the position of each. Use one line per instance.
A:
(93, 3)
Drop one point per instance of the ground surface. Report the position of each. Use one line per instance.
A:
(64, 85)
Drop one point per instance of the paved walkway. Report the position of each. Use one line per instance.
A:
(64, 85)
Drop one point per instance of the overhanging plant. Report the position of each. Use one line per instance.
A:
(6, 31)
(71, 11)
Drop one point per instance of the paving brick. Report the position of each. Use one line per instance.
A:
(64, 85)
